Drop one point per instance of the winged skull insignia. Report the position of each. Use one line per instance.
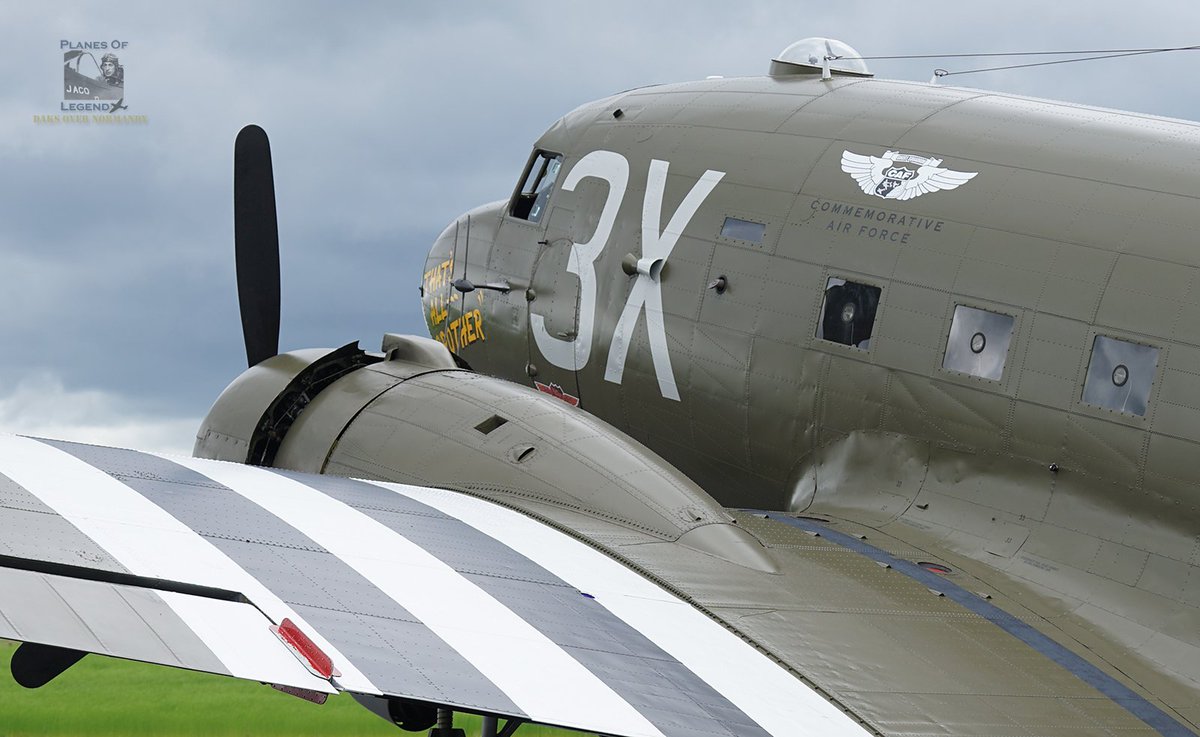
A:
(890, 176)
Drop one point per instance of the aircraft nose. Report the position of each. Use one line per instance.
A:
(457, 274)
(435, 282)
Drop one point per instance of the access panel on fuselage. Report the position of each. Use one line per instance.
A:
(553, 300)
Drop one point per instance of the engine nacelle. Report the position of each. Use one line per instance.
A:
(412, 416)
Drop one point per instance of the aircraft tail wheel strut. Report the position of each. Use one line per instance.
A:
(489, 728)
(445, 725)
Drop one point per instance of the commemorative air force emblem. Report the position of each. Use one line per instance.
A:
(888, 176)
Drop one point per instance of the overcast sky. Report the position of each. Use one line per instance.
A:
(386, 120)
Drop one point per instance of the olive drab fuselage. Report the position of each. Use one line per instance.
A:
(737, 388)
(960, 316)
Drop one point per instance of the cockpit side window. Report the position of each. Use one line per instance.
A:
(529, 202)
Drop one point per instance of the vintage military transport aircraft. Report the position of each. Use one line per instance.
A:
(803, 404)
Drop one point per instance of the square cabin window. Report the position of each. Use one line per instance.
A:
(1120, 375)
(743, 230)
(529, 203)
(978, 343)
(848, 313)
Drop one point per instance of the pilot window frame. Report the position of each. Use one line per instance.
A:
(1142, 361)
(864, 290)
(973, 316)
(532, 194)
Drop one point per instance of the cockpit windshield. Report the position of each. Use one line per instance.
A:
(529, 203)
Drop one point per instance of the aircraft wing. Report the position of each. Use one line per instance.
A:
(320, 584)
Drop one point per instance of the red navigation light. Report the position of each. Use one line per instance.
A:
(313, 658)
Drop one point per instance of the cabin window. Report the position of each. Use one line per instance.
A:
(529, 203)
(978, 343)
(848, 313)
(1120, 375)
(743, 230)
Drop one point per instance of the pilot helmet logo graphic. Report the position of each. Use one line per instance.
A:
(87, 78)
(887, 176)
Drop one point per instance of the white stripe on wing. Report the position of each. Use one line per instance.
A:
(538, 675)
(150, 542)
(774, 698)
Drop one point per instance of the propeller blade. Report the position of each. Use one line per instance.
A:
(256, 243)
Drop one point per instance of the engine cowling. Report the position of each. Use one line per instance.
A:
(410, 415)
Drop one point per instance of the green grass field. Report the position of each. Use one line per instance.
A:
(103, 697)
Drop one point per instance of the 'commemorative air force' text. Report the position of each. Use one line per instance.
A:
(872, 221)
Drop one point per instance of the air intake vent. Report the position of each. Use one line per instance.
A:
(490, 424)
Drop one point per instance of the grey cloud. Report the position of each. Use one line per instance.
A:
(387, 120)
